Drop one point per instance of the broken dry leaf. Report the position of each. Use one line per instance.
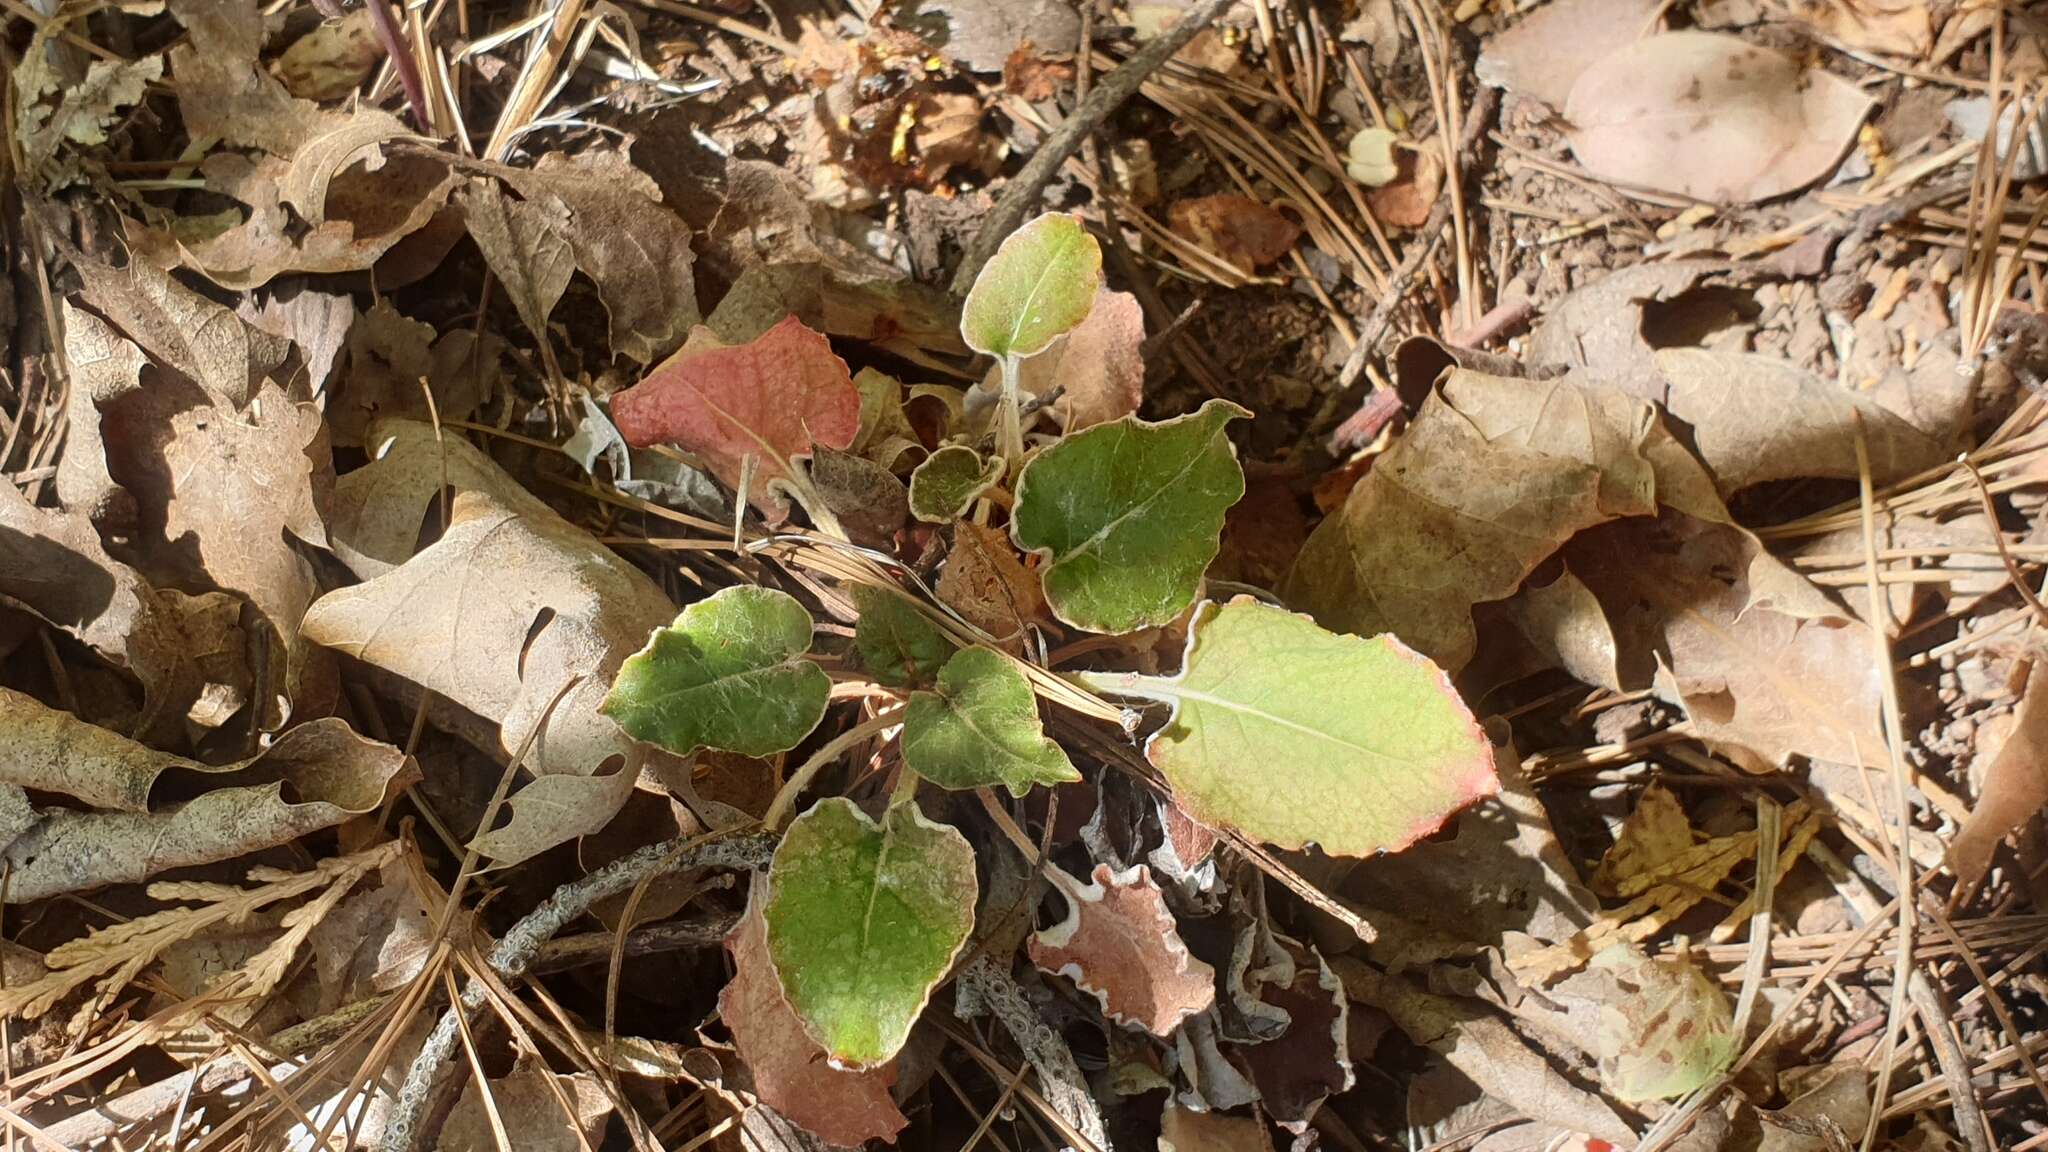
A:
(1664, 1025)
(315, 776)
(1598, 332)
(505, 611)
(332, 60)
(528, 1101)
(1185, 1130)
(183, 331)
(1096, 366)
(1655, 833)
(1547, 50)
(1902, 28)
(1120, 945)
(841, 1106)
(1247, 234)
(771, 399)
(2015, 787)
(985, 582)
(981, 34)
(1711, 117)
(83, 112)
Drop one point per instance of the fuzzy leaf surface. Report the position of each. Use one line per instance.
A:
(979, 727)
(729, 674)
(1038, 285)
(864, 918)
(1293, 735)
(944, 486)
(896, 643)
(1130, 515)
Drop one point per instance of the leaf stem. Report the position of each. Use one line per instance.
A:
(1010, 430)
(905, 791)
(1128, 684)
(778, 810)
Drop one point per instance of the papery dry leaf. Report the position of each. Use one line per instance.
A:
(1544, 53)
(529, 1103)
(1711, 117)
(54, 566)
(2015, 787)
(376, 940)
(981, 34)
(498, 616)
(1407, 200)
(104, 366)
(1311, 1061)
(525, 243)
(318, 323)
(378, 509)
(394, 360)
(1184, 1130)
(333, 59)
(985, 582)
(1754, 419)
(1566, 628)
(771, 399)
(86, 111)
(1903, 28)
(1762, 679)
(1096, 366)
(52, 751)
(790, 1072)
(1655, 833)
(1474, 1041)
(1597, 331)
(634, 248)
(183, 331)
(868, 499)
(1028, 74)
(1247, 234)
(315, 776)
(1121, 945)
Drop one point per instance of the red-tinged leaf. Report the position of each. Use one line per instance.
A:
(774, 399)
(1120, 945)
(790, 1071)
(1311, 1061)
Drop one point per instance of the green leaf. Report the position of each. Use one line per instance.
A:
(980, 728)
(1665, 1027)
(1040, 283)
(728, 674)
(945, 485)
(1131, 513)
(896, 643)
(1293, 735)
(863, 921)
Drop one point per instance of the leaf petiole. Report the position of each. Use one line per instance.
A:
(785, 799)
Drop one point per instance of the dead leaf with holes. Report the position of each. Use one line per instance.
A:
(1120, 945)
(511, 607)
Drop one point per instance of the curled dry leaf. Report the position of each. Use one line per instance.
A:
(525, 243)
(1547, 50)
(771, 399)
(315, 776)
(378, 509)
(2015, 785)
(505, 611)
(841, 1106)
(1120, 945)
(182, 331)
(1310, 1061)
(1711, 117)
(1247, 234)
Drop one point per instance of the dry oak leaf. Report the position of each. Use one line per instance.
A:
(2015, 785)
(1247, 234)
(315, 776)
(841, 1106)
(390, 354)
(1120, 945)
(53, 565)
(771, 399)
(498, 616)
(182, 331)
(375, 517)
(1711, 117)
(104, 366)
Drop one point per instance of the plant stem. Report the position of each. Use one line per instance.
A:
(1010, 430)
(785, 799)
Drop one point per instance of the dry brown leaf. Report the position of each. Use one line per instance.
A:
(1097, 366)
(1247, 234)
(53, 565)
(499, 615)
(1407, 200)
(374, 941)
(1902, 28)
(183, 331)
(843, 1107)
(985, 582)
(333, 59)
(1494, 475)
(393, 360)
(981, 34)
(1120, 945)
(1597, 331)
(1184, 1130)
(52, 751)
(1564, 625)
(315, 776)
(2015, 785)
(378, 509)
(105, 366)
(1754, 419)
(1311, 1061)
(86, 108)
(1711, 117)
(1763, 679)
(1654, 834)
(318, 323)
(868, 499)
(525, 242)
(1543, 55)
(529, 1101)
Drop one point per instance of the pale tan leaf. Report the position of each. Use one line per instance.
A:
(1096, 367)
(394, 361)
(2015, 787)
(1185, 1130)
(105, 366)
(1654, 835)
(333, 59)
(378, 509)
(183, 331)
(1711, 117)
(529, 1102)
(985, 582)
(1545, 51)
(525, 243)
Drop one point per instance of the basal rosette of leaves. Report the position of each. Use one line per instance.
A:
(1274, 728)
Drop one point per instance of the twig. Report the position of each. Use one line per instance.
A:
(516, 952)
(1106, 97)
(394, 45)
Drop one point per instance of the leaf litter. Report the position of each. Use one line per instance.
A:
(517, 502)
